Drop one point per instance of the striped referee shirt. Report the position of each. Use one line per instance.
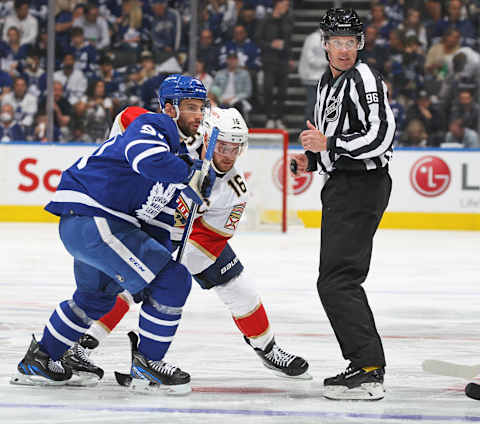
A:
(352, 110)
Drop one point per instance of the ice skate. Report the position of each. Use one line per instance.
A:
(147, 375)
(38, 369)
(85, 372)
(282, 363)
(355, 384)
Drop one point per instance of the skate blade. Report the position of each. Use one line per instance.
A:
(34, 380)
(304, 376)
(145, 386)
(83, 379)
(366, 391)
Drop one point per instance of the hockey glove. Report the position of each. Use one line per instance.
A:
(194, 191)
(187, 159)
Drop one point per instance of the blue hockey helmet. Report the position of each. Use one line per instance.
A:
(177, 87)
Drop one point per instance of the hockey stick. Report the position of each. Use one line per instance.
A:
(450, 369)
(472, 390)
(204, 171)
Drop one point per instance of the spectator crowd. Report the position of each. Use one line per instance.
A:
(432, 67)
(114, 53)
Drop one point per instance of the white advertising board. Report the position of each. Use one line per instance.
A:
(30, 173)
(434, 180)
(431, 181)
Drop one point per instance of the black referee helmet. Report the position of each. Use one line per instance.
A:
(342, 22)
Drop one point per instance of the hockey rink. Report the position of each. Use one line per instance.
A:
(424, 289)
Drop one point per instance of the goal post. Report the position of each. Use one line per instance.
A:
(284, 173)
(266, 169)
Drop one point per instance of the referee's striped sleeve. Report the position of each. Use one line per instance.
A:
(375, 114)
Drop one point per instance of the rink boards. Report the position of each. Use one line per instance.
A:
(432, 188)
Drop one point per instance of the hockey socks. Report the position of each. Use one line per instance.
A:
(63, 329)
(241, 298)
(157, 324)
(157, 327)
(255, 326)
(103, 327)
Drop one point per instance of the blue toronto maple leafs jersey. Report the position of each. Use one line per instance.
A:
(134, 177)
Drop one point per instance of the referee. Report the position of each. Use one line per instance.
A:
(352, 143)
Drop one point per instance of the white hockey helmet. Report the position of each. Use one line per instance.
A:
(231, 125)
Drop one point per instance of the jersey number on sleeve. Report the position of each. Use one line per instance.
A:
(371, 97)
(83, 161)
(238, 185)
(148, 129)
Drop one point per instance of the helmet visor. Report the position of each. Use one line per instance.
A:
(196, 109)
(225, 148)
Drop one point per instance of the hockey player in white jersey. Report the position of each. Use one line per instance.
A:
(208, 255)
(116, 207)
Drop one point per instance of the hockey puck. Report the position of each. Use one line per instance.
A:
(472, 390)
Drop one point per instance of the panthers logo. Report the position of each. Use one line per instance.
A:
(181, 213)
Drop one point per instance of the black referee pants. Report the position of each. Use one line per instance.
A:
(353, 204)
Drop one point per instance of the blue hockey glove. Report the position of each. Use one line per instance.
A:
(193, 190)
(187, 159)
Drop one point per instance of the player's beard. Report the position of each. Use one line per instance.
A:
(223, 165)
(187, 130)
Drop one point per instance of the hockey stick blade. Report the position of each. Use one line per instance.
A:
(450, 369)
(123, 379)
(136, 385)
(145, 386)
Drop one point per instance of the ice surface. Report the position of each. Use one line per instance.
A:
(424, 288)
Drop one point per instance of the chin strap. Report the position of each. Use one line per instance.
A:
(217, 171)
(183, 137)
(177, 113)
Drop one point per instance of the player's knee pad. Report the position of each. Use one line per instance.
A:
(94, 304)
(226, 268)
(239, 295)
(171, 286)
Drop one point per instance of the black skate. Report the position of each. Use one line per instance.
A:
(37, 369)
(148, 375)
(355, 384)
(85, 372)
(282, 363)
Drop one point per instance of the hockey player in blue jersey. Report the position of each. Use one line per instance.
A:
(115, 208)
